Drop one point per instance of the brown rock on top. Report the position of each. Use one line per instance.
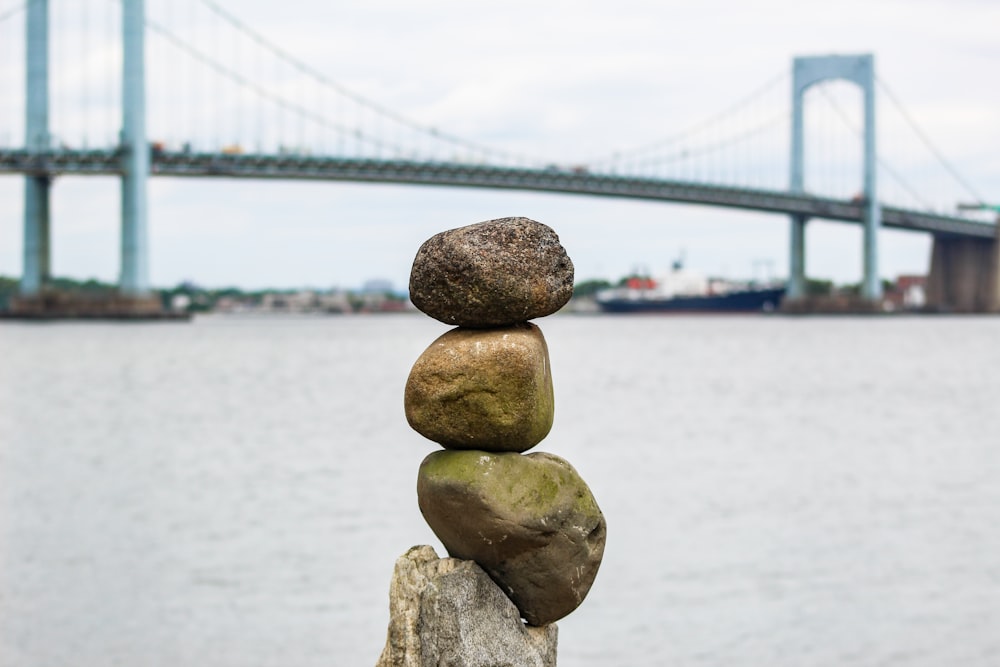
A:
(492, 274)
(483, 389)
(528, 520)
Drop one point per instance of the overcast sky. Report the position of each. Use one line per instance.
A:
(567, 81)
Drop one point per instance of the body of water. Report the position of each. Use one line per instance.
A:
(233, 492)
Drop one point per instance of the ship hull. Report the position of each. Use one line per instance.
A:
(744, 301)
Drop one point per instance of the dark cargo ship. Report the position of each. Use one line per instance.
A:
(682, 291)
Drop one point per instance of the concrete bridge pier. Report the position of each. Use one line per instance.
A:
(964, 275)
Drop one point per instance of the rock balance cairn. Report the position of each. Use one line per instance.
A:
(483, 391)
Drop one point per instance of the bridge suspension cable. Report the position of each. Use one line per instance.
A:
(266, 94)
(716, 146)
(926, 140)
(245, 87)
(916, 194)
(885, 166)
(696, 129)
(10, 12)
(379, 109)
(11, 77)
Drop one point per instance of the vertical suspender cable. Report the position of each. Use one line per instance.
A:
(57, 36)
(108, 102)
(240, 109)
(278, 107)
(323, 126)
(752, 118)
(192, 81)
(714, 140)
(819, 124)
(194, 84)
(833, 150)
(733, 145)
(707, 153)
(232, 109)
(844, 148)
(158, 87)
(378, 129)
(341, 118)
(819, 166)
(824, 161)
(300, 96)
(154, 119)
(210, 100)
(735, 159)
(7, 121)
(86, 65)
(5, 64)
(204, 86)
(757, 118)
(718, 152)
(113, 37)
(217, 93)
(199, 107)
(257, 105)
(13, 60)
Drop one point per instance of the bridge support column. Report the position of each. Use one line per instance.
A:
(797, 259)
(36, 270)
(134, 279)
(871, 287)
(964, 275)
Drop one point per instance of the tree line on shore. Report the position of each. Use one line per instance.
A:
(194, 298)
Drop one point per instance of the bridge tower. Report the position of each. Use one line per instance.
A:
(134, 278)
(808, 71)
(35, 272)
(134, 281)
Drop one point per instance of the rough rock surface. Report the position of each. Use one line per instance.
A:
(483, 389)
(448, 612)
(492, 274)
(528, 520)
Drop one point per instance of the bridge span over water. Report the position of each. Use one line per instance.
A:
(965, 271)
(186, 164)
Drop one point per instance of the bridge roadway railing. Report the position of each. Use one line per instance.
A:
(306, 167)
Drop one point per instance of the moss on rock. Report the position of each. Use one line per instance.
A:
(530, 521)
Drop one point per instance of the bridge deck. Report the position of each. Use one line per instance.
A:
(304, 167)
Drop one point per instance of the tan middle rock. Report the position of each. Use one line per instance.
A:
(487, 389)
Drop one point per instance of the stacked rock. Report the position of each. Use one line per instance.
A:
(483, 391)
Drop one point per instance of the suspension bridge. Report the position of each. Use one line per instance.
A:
(262, 113)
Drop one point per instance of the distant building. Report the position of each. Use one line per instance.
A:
(337, 301)
(914, 289)
(180, 302)
(909, 293)
(377, 286)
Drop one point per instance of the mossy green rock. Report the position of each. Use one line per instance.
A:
(528, 520)
(487, 389)
(492, 274)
